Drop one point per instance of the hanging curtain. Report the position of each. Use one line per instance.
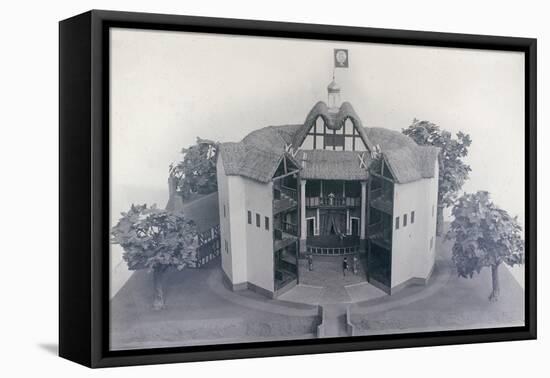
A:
(324, 227)
(332, 223)
(339, 222)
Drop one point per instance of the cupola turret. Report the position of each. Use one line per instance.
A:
(334, 100)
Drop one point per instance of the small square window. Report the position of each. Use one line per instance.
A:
(257, 220)
(412, 217)
(267, 223)
(397, 223)
(404, 220)
(249, 217)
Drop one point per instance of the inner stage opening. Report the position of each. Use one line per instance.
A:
(333, 244)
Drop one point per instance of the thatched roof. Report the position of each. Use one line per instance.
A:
(408, 161)
(203, 211)
(332, 165)
(259, 154)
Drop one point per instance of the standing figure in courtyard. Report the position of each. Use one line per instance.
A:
(345, 265)
(310, 262)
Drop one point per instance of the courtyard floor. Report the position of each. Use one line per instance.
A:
(327, 284)
(201, 310)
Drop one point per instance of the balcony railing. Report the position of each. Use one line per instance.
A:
(333, 245)
(333, 250)
(284, 199)
(382, 204)
(281, 191)
(373, 229)
(375, 193)
(379, 234)
(333, 201)
(287, 266)
(285, 273)
(285, 229)
(380, 194)
(282, 239)
(382, 200)
(289, 228)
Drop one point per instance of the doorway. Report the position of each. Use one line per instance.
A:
(354, 226)
(310, 226)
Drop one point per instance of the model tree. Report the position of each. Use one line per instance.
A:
(155, 240)
(484, 236)
(196, 172)
(453, 171)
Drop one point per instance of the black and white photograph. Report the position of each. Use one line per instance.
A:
(267, 189)
(275, 188)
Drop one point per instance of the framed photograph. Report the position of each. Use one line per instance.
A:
(235, 188)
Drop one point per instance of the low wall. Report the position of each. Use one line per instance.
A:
(210, 331)
(321, 325)
(350, 327)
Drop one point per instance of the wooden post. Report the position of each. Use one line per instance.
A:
(363, 212)
(303, 225)
(316, 229)
(367, 204)
(348, 226)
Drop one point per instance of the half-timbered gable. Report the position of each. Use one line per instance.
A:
(335, 131)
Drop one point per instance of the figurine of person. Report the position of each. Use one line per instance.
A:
(310, 262)
(345, 266)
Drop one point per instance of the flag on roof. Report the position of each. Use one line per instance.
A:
(341, 58)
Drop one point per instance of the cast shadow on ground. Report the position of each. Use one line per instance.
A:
(51, 348)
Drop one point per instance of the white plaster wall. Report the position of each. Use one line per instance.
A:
(236, 189)
(250, 255)
(411, 253)
(432, 222)
(259, 241)
(225, 227)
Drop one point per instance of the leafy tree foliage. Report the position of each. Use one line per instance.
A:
(453, 172)
(155, 240)
(484, 236)
(196, 172)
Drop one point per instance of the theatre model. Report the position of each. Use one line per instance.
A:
(328, 186)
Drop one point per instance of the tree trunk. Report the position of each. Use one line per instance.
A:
(496, 285)
(158, 275)
(439, 226)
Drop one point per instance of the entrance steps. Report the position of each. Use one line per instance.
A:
(335, 321)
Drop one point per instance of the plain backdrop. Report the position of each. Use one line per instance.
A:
(169, 87)
(29, 160)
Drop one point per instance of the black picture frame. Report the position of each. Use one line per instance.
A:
(84, 187)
